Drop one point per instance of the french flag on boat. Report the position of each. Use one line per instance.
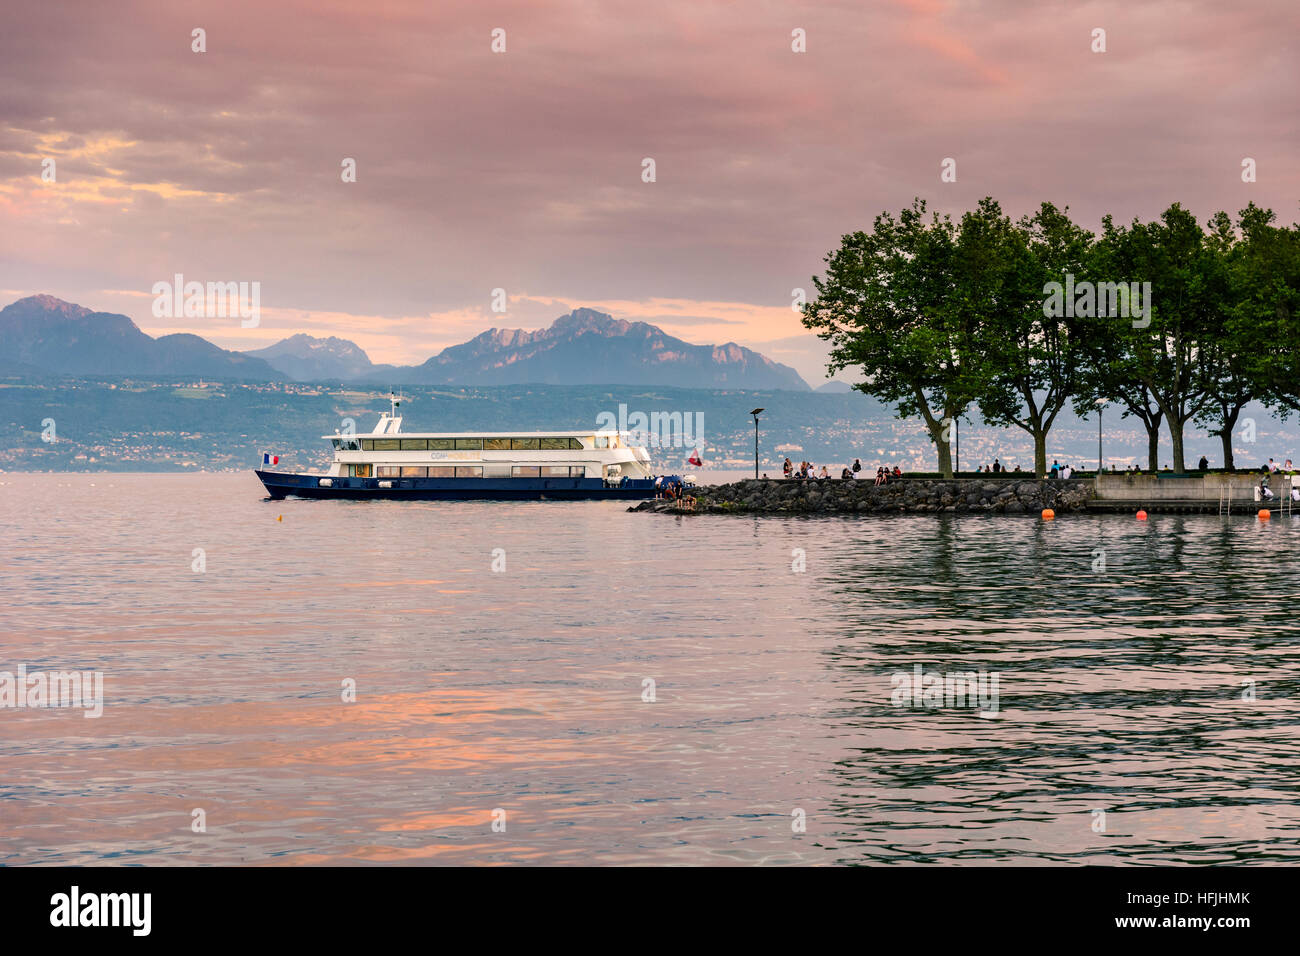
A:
(270, 459)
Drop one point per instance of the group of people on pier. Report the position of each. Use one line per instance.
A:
(807, 471)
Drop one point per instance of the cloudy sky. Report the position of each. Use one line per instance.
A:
(522, 169)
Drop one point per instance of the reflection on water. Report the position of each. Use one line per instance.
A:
(1125, 729)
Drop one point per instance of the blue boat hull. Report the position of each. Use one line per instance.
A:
(282, 485)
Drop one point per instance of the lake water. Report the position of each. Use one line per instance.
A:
(1125, 690)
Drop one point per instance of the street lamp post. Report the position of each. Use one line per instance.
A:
(1101, 405)
(756, 412)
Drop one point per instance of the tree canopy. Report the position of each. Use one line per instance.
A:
(1173, 321)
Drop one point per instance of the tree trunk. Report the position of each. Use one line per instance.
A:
(1176, 437)
(1040, 454)
(1229, 424)
(1153, 445)
(937, 427)
(943, 447)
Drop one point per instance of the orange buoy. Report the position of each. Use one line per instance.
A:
(1048, 514)
(1142, 516)
(279, 517)
(1264, 514)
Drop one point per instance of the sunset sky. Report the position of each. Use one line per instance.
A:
(522, 170)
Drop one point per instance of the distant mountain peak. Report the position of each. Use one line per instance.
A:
(51, 304)
(302, 344)
(586, 346)
(306, 357)
(589, 320)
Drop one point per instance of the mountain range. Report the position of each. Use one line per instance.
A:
(42, 333)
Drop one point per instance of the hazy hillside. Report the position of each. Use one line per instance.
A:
(153, 425)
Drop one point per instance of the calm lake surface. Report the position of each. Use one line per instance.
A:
(1120, 690)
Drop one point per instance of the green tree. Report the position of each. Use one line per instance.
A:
(1269, 303)
(1164, 355)
(1236, 344)
(900, 303)
(1031, 354)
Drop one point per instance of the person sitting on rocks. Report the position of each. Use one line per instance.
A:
(898, 472)
(787, 468)
(846, 474)
(880, 476)
(825, 474)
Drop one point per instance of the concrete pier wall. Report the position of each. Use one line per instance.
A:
(1212, 487)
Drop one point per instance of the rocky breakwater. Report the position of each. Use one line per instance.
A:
(903, 496)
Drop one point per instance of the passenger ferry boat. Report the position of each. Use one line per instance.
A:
(390, 463)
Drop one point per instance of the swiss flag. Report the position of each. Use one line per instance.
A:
(695, 459)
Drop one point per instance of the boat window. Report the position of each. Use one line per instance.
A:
(414, 471)
(496, 444)
(551, 444)
(367, 444)
(555, 471)
(469, 471)
(469, 443)
(575, 443)
(523, 444)
(526, 471)
(415, 444)
(362, 471)
(578, 471)
(442, 471)
(388, 444)
(386, 471)
(441, 444)
(602, 441)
